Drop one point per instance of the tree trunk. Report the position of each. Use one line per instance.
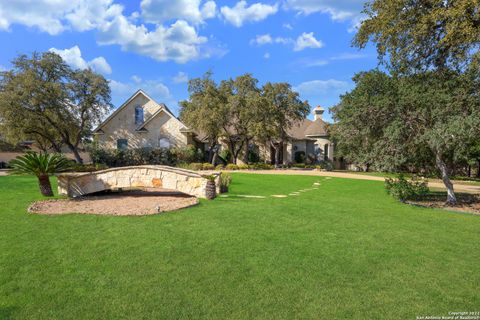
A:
(451, 199)
(478, 168)
(245, 155)
(45, 186)
(469, 171)
(75, 152)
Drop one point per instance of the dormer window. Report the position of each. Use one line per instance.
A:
(138, 115)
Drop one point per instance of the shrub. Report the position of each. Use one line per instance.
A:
(225, 155)
(261, 166)
(231, 166)
(220, 167)
(243, 167)
(298, 165)
(77, 167)
(326, 165)
(195, 166)
(225, 180)
(402, 189)
(132, 157)
(186, 154)
(208, 166)
(300, 156)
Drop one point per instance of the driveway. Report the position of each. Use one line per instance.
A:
(436, 185)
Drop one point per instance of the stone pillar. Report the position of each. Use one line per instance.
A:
(330, 151)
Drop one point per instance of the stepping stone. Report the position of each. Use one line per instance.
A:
(223, 196)
(279, 195)
(293, 194)
(249, 196)
(316, 183)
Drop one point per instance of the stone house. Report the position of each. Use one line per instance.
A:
(142, 122)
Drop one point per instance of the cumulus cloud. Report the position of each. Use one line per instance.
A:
(180, 77)
(241, 13)
(266, 39)
(155, 88)
(54, 17)
(159, 11)
(307, 40)
(321, 87)
(179, 41)
(73, 57)
(339, 10)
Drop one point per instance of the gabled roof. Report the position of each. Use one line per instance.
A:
(308, 128)
(141, 127)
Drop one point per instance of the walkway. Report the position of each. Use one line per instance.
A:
(434, 184)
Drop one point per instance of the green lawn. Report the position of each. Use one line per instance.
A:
(344, 251)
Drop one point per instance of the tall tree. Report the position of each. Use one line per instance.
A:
(282, 108)
(411, 121)
(244, 113)
(421, 35)
(44, 98)
(205, 109)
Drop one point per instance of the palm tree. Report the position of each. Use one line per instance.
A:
(41, 165)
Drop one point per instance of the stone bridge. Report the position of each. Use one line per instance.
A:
(163, 177)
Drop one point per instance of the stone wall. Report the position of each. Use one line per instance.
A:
(164, 177)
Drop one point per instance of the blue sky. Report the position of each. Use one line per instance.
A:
(157, 45)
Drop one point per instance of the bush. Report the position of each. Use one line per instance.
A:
(261, 166)
(220, 167)
(208, 166)
(243, 167)
(77, 167)
(402, 189)
(326, 165)
(187, 154)
(195, 166)
(300, 157)
(225, 180)
(298, 165)
(225, 155)
(132, 157)
(231, 166)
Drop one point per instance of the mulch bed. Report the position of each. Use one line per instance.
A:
(125, 203)
(467, 203)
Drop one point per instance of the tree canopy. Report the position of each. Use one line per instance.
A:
(420, 35)
(43, 99)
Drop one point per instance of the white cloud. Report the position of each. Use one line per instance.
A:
(136, 79)
(267, 39)
(240, 13)
(321, 87)
(73, 57)
(158, 11)
(307, 40)
(338, 9)
(349, 56)
(266, 55)
(180, 77)
(54, 17)
(287, 26)
(155, 88)
(179, 42)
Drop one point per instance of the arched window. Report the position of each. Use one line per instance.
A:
(138, 115)
(325, 151)
(163, 142)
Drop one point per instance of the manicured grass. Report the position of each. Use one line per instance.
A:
(344, 251)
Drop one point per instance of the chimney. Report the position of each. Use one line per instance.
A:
(317, 113)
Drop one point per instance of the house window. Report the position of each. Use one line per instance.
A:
(122, 144)
(325, 152)
(138, 115)
(163, 143)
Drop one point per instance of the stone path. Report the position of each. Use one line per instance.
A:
(329, 174)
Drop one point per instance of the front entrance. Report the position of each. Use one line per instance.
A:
(272, 155)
